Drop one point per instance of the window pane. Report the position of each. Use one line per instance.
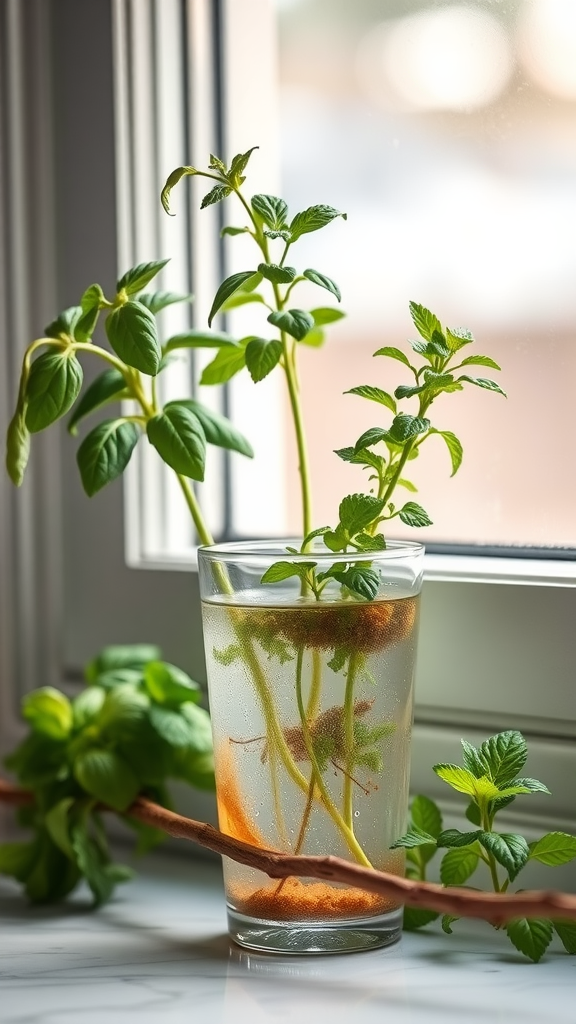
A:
(448, 134)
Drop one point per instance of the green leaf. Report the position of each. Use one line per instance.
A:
(92, 298)
(414, 837)
(554, 848)
(531, 937)
(177, 435)
(462, 780)
(53, 385)
(402, 482)
(367, 542)
(447, 922)
(230, 230)
(86, 325)
(17, 859)
(414, 515)
(454, 838)
(261, 357)
(284, 570)
(336, 540)
(362, 457)
(415, 918)
(215, 195)
(424, 321)
(565, 930)
(91, 863)
(58, 824)
(480, 361)
(274, 211)
(241, 298)
(405, 427)
(38, 760)
(119, 656)
(156, 301)
(510, 850)
(17, 447)
(374, 395)
(132, 333)
(318, 532)
(370, 437)
(107, 387)
(482, 382)
(218, 429)
(323, 282)
(87, 705)
(276, 274)
(323, 315)
(457, 866)
(394, 353)
(238, 166)
(49, 712)
(200, 339)
(315, 338)
(173, 180)
(138, 277)
(200, 727)
(105, 452)
(312, 219)
(409, 390)
(172, 726)
(360, 580)
(216, 164)
(226, 289)
(473, 813)
(425, 814)
(225, 365)
(357, 511)
(107, 777)
(168, 684)
(454, 447)
(295, 322)
(532, 785)
(457, 337)
(64, 324)
(123, 713)
(503, 756)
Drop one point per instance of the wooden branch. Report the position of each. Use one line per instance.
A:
(495, 907)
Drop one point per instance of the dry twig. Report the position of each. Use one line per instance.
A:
(495, 907)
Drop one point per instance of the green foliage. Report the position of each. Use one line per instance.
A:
(489, 777)
(105, 452)
(52, 388)
(132, 333)
(179, 438)
(136, 724)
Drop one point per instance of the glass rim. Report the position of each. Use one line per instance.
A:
(265, 550)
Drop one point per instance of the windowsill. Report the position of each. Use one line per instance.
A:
(160, 951)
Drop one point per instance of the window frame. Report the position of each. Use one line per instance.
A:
(73, 596)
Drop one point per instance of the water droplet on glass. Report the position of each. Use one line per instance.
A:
(356, 814)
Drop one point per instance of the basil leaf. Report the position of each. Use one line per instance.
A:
(177, 435)
(107, 387)
(133, 335)
(106, 776)
(53, 385)
(156, 301)
(218, 429)
(138, 277)
(261, 357)
(17, 447)
(295, 322)
(323, 282)
(105, 452)
(227, 288)
(312, 219)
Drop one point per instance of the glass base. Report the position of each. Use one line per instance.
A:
(343, 936)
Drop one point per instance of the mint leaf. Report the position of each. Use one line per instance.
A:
(357, 511)
(226, 289)
(284, 570)
(395, 353)
(238, 166)
(503, 756)
(215, 195)
(482, 382)
(274, 211)
(457, 337)
(415, 918)
(326, 315)
(49, 712)
(532, 785)
(459, 778)
(105, 452)
(414, 515)
(480, 361)
(276, 274)
(53, 385)
(133, 335)
(457, 866)
(261, 357)
(156, 301)
(295, 322)
(447, 922)
(323, 282)
(454, 838)
(370, 437)
(531, 937)
(361, 580)
(425, 815)
(226, 365)
(405, 427)
(138, 277)
(200, 339)
(566, 932)
(454, 447)
(374, 395)
(179, 439)
(414, 837)
(510, 850)
(425, 322)
(312, 219)
(554, 848)
(107, 387)
(106, 776)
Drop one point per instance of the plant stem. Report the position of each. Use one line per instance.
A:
(487, 827)
(198, 519)
(347, 833)
(303, 463)
(316, 686)
(348, 712)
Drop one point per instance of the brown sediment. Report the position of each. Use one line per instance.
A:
(355, 627)
(232, 814)
(307, 901)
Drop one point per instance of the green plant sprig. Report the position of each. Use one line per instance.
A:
(361, 516)
(489, 778)
(268, 221)
(135, 725)
(51, 383)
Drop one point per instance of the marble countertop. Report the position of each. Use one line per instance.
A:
(160, 953)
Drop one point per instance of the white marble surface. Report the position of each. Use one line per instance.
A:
(160, 953)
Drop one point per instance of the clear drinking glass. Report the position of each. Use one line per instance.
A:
(311, 705)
